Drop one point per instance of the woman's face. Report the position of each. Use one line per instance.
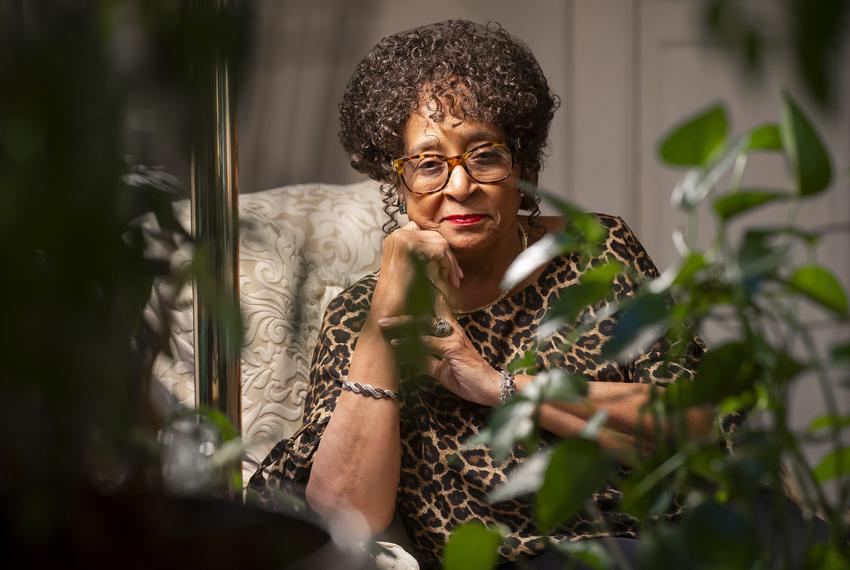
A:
(472, 216)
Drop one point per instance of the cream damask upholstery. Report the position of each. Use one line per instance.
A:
(299, 247)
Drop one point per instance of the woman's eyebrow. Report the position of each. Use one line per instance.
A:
(483, 136)
(472, 138)
(422, 147)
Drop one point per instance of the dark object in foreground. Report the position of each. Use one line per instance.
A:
(148, 531)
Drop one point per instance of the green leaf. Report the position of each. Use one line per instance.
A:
(840, 351)
(828, 421)
(663, 547)
(784, 368)
(722, 373)
(525, 478)
(472, 546)
(642, 322)
(758, 257)
(594, 286)
(591, 428)
(808, 157)
(689, 268)
(554, 384)
(584, 231)
(583, 226)
(225, 429)
(697, 183)
(229, 452)
(681, 272)
(638, 489)
(590, 552)
(509, 424)
(821, 286)
(827, 557)
(588, 228)
(577, 468)
(771, 232)
(541, 252)
(834, 464)
(730, 205)
(288, 501)
(731, 372)
(558, 385)
(603, 273)
(696, 141)
(711, 524)
(765, 137)
(526, 362)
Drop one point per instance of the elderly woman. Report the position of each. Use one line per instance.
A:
(450, 117)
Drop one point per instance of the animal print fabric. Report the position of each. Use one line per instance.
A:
(443, 484)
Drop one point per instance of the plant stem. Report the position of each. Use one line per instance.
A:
(613, 547)
(738, 172)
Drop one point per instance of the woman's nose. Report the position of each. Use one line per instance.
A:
(460, 186)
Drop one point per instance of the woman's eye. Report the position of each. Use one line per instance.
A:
(486, 156)
(429, 165)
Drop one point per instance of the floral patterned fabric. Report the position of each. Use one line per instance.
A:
(299, 247)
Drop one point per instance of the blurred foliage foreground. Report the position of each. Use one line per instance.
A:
(80, 466)
(738, 513)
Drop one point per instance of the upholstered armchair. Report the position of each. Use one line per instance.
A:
(299, 246)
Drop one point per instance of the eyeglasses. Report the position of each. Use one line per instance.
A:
(429, 172)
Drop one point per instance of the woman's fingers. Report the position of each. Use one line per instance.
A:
(445, 265)
(431, 246)
(435, 346)
(389, 323)
(454, 269)
(404, 325)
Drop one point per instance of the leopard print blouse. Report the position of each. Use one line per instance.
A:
(443, 484)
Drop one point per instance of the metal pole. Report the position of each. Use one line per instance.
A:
(214, 193)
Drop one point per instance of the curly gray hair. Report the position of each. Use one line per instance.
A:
(480, 71)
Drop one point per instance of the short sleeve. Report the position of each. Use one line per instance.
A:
(654, 365)
(292, 459)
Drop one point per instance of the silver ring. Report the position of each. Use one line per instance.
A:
(441, 328)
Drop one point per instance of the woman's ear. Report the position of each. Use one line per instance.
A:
(402, 205)
(527, 191)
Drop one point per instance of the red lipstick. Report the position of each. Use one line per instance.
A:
(465, 220)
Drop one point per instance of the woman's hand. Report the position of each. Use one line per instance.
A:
(451, 360)
(401, 249)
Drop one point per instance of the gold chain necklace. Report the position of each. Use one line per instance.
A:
(524, 242)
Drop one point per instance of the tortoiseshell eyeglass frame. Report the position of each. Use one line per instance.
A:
(452, 161)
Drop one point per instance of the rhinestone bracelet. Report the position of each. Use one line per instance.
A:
(507, 386)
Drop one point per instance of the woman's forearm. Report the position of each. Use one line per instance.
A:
(627, 425)
(564, 424)
(358, 460)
